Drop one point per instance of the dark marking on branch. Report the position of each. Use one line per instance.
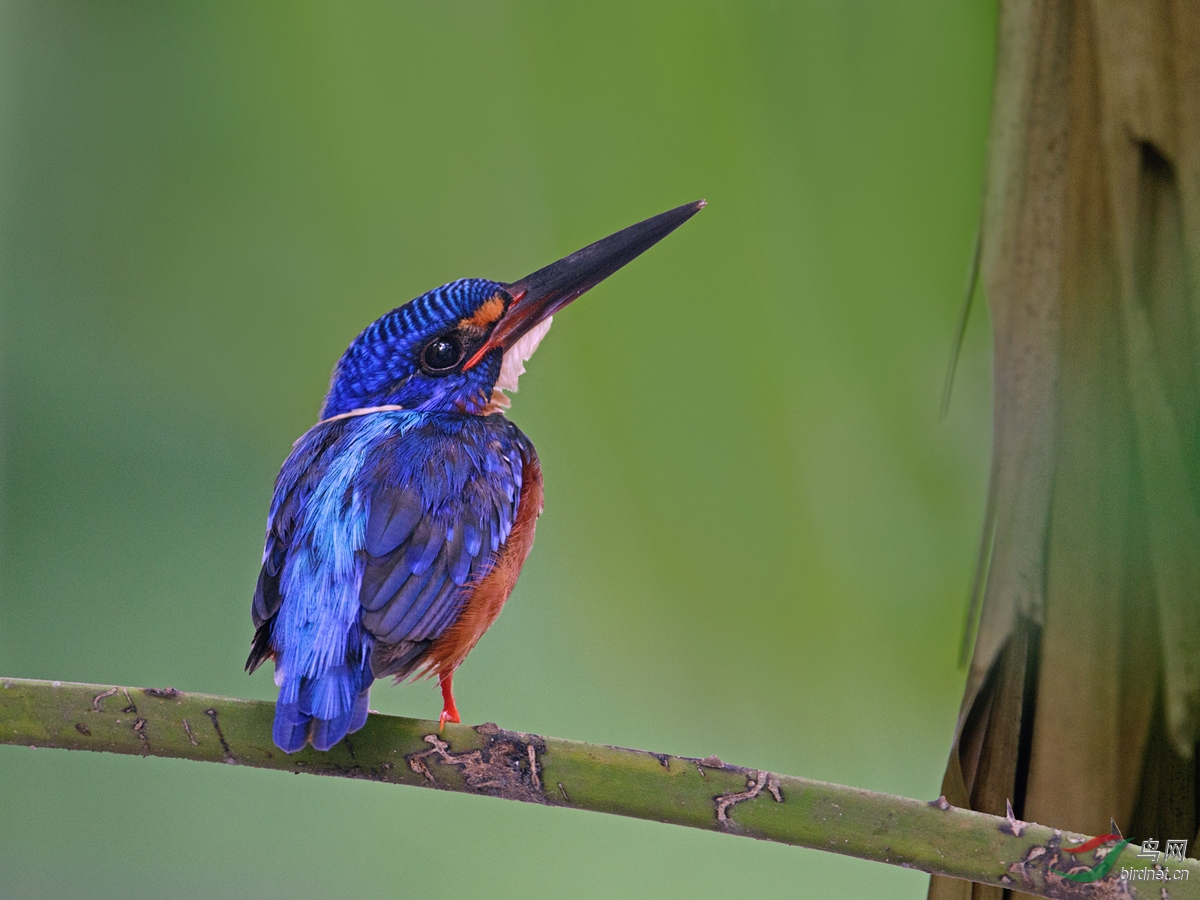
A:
(663, 759)
(132, 707)
(1031, 856)
(713, 762)
(563, 791)
(216, 722)
(102, 695)
(83, 729)
(940, 803)
(1021, 866)
(165, 693)
(755, 783)
(140, 727)
(191, 737)
(506, 766)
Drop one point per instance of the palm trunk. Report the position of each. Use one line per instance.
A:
(1082, 704)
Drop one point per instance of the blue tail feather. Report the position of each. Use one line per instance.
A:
(325, 710)
(359, 716)
(289, 735)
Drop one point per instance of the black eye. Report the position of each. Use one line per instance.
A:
(442, 354)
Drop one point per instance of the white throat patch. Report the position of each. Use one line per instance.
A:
(512, 367)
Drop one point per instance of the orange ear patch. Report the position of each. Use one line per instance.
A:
(491, 310)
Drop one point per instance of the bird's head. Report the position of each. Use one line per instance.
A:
(459, 346)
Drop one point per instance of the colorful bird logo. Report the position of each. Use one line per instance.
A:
(1101, 867)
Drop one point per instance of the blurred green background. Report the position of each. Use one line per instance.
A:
(757, 538)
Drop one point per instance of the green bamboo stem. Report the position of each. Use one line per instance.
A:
(484, 759)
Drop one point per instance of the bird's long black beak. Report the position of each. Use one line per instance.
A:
(538, 296)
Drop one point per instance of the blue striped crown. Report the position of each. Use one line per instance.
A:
(382, 364)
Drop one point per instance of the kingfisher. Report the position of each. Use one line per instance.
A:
(400, 521)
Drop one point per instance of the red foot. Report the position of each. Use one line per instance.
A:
(449, 710)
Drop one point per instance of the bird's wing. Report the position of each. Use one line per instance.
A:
(440, 498)
(303, 469)
(441, 503)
